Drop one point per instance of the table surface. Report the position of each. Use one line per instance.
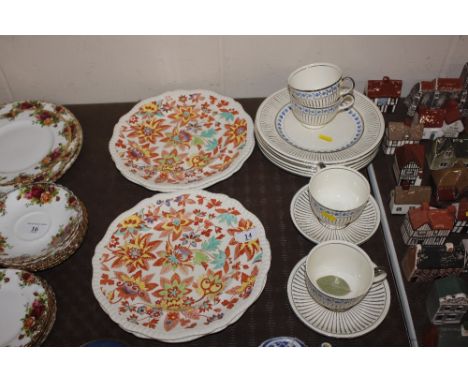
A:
(260, 186)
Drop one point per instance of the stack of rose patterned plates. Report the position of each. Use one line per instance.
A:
(39, 142)
(27, 308)
(41, 225)
(184, 139)
(181, 265)
(351, 139)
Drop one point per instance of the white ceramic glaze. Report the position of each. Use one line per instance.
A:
(346, 261)
(37, 220)
(199, 257)
(361, 319)
(270, 111)
(338, 195)
(315, 118)
(318, 85)
(359, 231)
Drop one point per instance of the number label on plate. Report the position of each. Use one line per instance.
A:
(245, 236)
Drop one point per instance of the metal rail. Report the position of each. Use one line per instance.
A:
(393, 258)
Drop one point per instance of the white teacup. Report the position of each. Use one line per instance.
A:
(338, 195)
(318, 85)
(311, 116)
(345, 262)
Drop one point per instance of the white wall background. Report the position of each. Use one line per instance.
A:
(93, 69)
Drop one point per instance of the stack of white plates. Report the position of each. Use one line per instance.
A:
(28, 308)
(41, 225)
(39, 141)
(181, 265)
(351, 139)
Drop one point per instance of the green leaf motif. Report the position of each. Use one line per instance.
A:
(197, 141)
(211, 145)
(228, 219)
(208, 133)
(199, 258)
(258, 258)
(219, 259)
(227, 116)
(211, 244)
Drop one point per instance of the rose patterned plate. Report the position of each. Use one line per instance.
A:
(181, 265)
(182, 139)
(36, 222)
(28, 308)
(39, 141)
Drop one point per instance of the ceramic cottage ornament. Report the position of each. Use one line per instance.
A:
(447, 301)
(408, 165)
(461, 217)
(451, 183)
(427, 225)
(399, 134)
(401, 200)
(385, 93)
(439, 122)
(181, 265)
(182, 139)
(428, 262)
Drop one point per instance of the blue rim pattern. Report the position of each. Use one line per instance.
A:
(280, 128)
(282, 342)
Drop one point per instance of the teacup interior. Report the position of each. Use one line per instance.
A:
(339, 189)
(314, 77)
(343, 261)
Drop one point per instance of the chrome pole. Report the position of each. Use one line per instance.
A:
(393, 259)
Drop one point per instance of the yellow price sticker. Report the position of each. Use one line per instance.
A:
(325, 138)
(328, 216)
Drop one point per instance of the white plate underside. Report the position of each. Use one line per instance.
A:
(357, 321)
(308, 225)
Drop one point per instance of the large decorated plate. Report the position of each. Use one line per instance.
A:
(37, 220)
(351, 135)
(39, 141)
(181, 265)
(183, 139)
(28, 308)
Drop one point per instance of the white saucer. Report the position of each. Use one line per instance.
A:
(357, 321)
(308, 225)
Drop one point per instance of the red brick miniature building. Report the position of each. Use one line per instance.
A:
(428, 226)
(385, 93)
(408, 165)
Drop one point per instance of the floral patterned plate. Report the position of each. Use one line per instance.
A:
(181, 140)
(28, 308)
(36, 221)
(39, 141)
(181, 265)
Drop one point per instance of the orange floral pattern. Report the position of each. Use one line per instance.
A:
(178, 262)
(181, 138)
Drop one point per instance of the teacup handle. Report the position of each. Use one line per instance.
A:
(379, 275)
(347, 90)
(347, 102)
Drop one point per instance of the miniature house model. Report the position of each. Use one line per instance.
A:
(399, 134)
(429, 262)
(451, 183)
(447, 301)
(385, 93)
(461, 149)
(427, 225)
(401, 200)
(461, 222)
(408, 165)
(434, 94)
(441, 154)
(439, 122)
